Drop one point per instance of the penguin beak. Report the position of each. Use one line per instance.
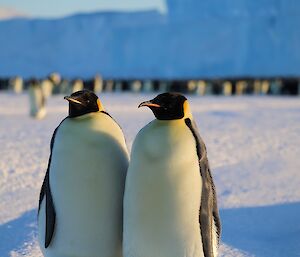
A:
(70, 99)
(149, 104)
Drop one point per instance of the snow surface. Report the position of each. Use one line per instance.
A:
(253, 148)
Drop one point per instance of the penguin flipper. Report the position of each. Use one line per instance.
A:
(50, 213)
(206, 211)
(50, 210)
(42, 193)
(216, 215)
(209, 219)
(46, 192)
(215, 226)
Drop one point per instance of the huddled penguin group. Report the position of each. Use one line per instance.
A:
(94, 202)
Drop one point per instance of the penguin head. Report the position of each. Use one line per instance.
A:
(83, 102)
(169, 106)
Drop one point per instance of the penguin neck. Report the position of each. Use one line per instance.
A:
(84, 116)
(88, 114)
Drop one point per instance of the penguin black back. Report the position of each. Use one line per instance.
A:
(209, 212)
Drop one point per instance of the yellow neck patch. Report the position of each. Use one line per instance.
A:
(100, 105)
(187, 110)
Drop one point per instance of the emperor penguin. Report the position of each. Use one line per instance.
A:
(170, 204)
(81, 199)
(37, 100)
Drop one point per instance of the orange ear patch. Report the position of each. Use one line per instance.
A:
(100, 106)
(186, 109)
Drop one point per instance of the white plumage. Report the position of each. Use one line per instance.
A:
(87, 177)
(163, 193)
(170, 206)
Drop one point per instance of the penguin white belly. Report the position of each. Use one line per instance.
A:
(87, 174)
(163, 193)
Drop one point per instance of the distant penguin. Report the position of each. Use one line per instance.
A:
(81, 199)
(76, 85)
(170, 205)
(37, 101)
(98, 84)
(16, 84)
(56, 81)
(47, 87)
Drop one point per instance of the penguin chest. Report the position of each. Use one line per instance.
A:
(88, 160)
(163, 193)
(87, 176)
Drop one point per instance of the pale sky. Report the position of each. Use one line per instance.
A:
(56, 8)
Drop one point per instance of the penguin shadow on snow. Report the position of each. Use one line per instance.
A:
(263, 231)
(15, 233)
